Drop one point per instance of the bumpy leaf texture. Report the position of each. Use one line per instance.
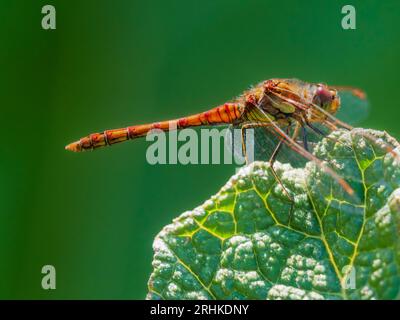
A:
(250, 242)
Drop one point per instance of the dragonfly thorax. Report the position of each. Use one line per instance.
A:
(298, 99)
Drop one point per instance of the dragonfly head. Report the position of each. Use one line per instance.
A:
(326, 98)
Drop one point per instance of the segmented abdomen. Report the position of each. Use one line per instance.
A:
(226, 113)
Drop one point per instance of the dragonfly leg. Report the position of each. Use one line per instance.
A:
(278, 179)
(272, 160)
(296, 131)
(305, 140)
(323, 134)
(244, 150)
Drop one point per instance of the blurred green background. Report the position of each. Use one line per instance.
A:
(116, 63)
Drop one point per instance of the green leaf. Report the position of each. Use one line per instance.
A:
(247, 243)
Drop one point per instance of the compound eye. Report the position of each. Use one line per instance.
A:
(323, 95)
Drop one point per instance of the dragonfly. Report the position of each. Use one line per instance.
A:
(286, 109)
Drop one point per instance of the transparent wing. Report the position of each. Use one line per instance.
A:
(261, 142)
(264, 142)
(354, 109)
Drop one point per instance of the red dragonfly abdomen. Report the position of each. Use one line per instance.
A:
(226, 113)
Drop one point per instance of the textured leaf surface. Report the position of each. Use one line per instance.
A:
(247, 243)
